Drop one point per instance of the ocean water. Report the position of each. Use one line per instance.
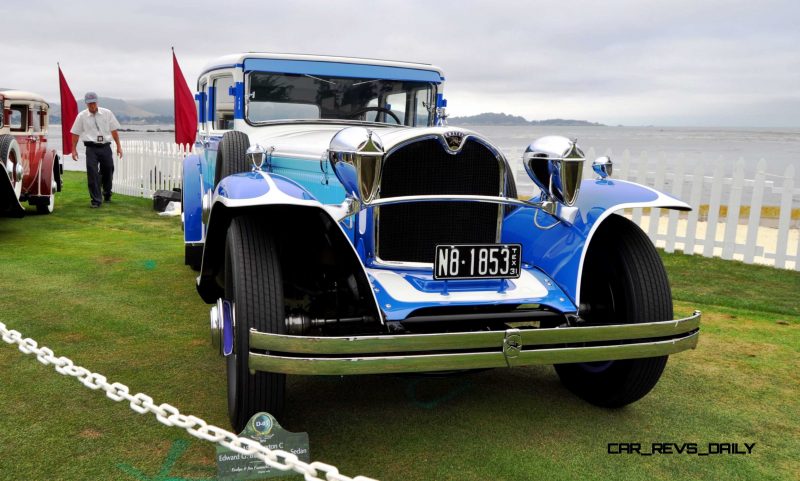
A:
(698, 149)
(778, 147)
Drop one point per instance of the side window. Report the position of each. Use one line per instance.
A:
(38, 119)
(397, 104)
(19, 118)
(421, 103)
(223, 103)
(371, 115)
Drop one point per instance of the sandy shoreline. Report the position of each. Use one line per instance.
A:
(765, 248)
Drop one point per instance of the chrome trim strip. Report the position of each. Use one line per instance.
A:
(454, 198)
(483, 360)
(468, 340)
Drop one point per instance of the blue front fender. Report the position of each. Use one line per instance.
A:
(282, 205)
(560, 251)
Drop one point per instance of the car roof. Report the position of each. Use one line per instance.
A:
(22, 95)
(237, 59)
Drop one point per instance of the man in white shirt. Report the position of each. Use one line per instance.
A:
(96, 126)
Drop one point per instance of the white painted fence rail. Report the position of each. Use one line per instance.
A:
(150, 166)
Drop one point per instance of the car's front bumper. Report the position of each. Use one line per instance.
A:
(469, 350)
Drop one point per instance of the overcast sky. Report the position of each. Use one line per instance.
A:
(631, 62)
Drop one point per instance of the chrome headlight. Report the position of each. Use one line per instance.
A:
(555, 164)
(356, 155)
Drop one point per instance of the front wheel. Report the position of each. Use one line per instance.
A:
(253, 283)
(10, 159)
(623, 281)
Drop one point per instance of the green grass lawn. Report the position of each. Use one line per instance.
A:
(108, 289)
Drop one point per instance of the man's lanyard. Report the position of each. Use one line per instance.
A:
(94, 117)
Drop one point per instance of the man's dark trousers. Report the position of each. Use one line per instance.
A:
(99, 166)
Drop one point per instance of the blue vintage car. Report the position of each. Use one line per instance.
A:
(340, 227)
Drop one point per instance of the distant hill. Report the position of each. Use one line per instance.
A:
(153, 111)
(160, 111)
(491, 118)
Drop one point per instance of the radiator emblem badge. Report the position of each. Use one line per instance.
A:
(454, 140)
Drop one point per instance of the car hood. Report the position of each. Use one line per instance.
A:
(311, 141)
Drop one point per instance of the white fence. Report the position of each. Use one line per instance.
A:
(148, 166)
(733, 234)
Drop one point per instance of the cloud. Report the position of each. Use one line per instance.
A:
(678, 62)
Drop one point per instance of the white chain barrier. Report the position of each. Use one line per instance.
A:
(170, 416)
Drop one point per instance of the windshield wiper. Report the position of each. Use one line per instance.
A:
(320, 79)
(366, 82)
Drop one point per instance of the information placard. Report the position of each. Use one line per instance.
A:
(263, 428)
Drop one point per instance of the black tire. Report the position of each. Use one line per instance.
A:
(49, 207)
(57, 173)
(623, 281)
(253, 283)
(231, 157)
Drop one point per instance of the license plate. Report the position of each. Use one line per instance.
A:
(477, 261)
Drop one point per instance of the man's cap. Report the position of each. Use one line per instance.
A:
(90, 98)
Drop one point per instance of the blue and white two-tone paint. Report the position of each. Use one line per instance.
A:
(322, 189)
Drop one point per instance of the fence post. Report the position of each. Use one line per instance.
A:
(698, 179)
(641, 178)
(658, 184)
(713, 210)
(677, 192)
(755, 212)
(732, 219)
(785, 217)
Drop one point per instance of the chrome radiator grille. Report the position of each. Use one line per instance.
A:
(410, 232)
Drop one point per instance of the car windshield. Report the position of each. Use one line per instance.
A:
(280, 97)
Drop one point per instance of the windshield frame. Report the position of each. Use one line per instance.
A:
(434, 88)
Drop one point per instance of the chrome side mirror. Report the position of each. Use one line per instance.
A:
(555, 164)
(603, 167)
(356, 155)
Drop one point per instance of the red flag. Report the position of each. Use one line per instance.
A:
(69, 110)
(185, 112)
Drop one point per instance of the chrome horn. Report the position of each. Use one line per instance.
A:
(356, 155)
(257, 155)
(602, 166)
(555, 164)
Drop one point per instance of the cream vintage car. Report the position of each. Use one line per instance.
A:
(31, 168)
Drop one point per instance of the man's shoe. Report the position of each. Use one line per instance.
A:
(94, 206)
